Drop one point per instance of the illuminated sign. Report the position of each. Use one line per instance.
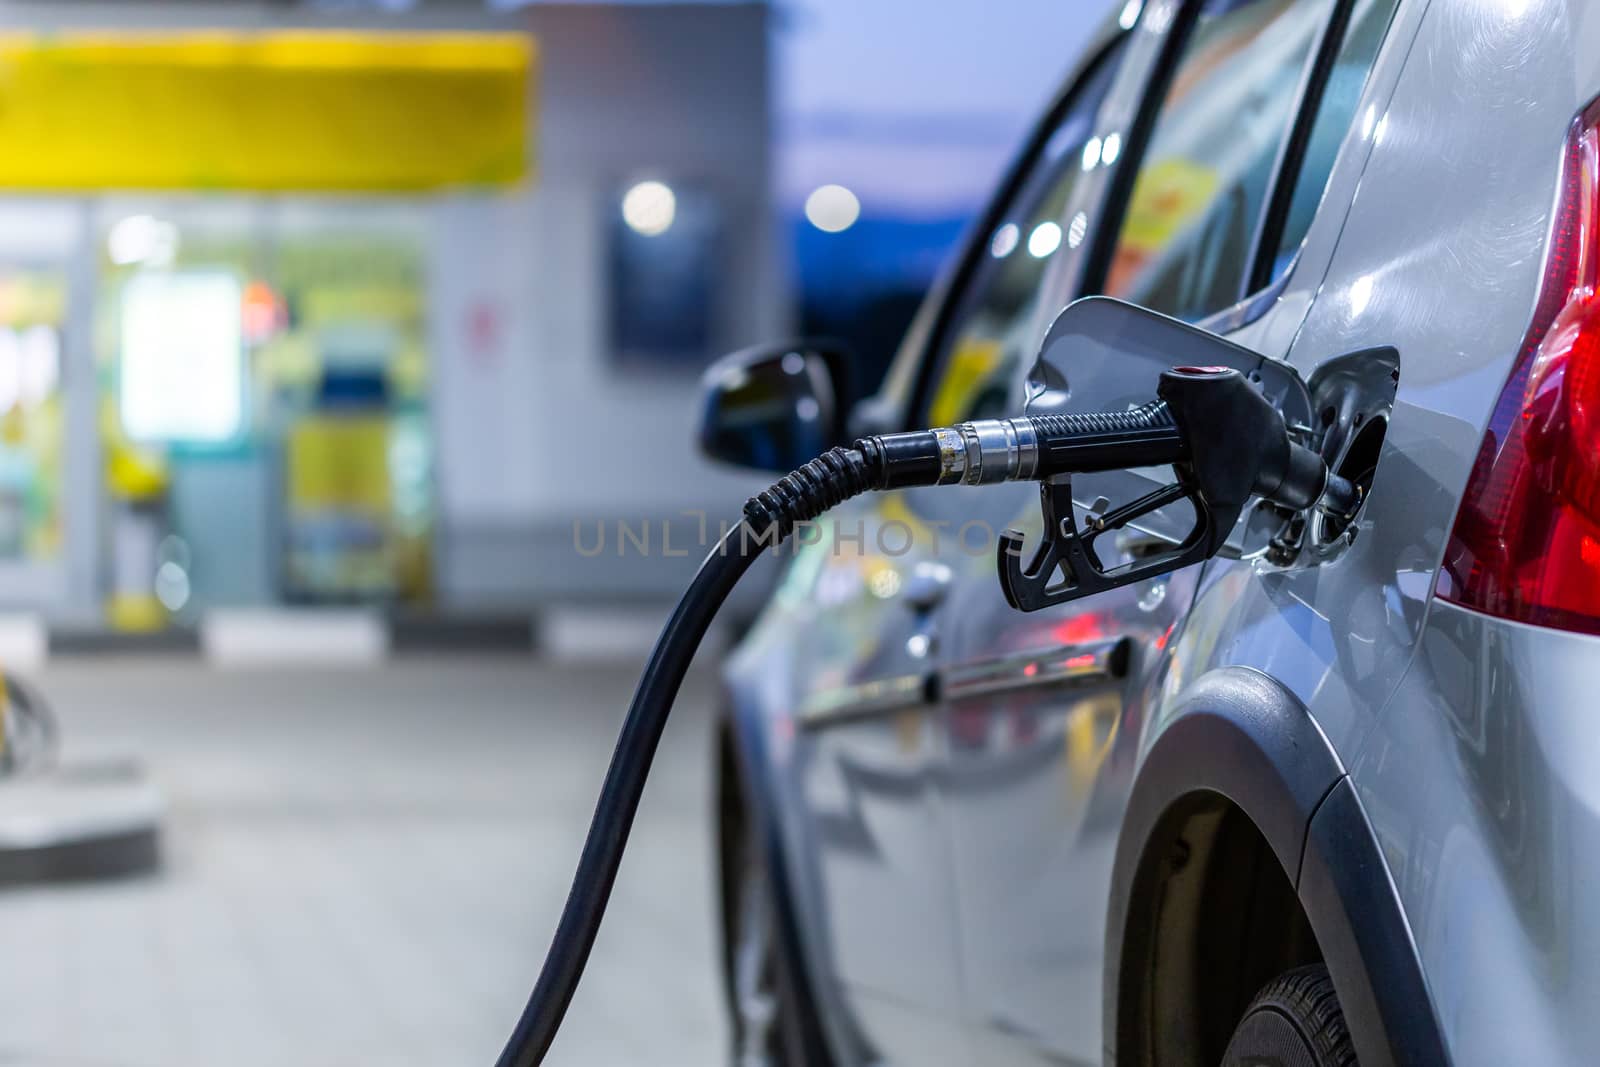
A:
(181, 373)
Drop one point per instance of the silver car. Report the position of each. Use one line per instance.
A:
(1326, 797)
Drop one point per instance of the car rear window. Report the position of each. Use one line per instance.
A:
(1336, 112)
(1185, 242)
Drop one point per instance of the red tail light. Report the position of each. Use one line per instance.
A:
(1526, 543)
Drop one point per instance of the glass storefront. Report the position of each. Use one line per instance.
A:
(39, 240)
(263, 375)
(215, 287)
(32, 317)
(349, 378)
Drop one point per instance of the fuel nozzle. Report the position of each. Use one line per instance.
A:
(1226, 442)
(1210, 418)
(1031, 448)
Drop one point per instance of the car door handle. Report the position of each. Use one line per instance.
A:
(925, 589)
(1091, 661)
(928, 586)
(878, 698)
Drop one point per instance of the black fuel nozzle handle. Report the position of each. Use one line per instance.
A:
(1239, 446)
(1231, 444)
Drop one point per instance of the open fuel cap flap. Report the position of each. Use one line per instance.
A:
(1239, 415)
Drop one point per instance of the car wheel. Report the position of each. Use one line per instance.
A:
(753, 975)
(773, 1022)
(1295, 1021)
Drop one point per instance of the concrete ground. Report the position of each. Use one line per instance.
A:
(364, 866)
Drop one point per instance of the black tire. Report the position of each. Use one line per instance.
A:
(1295, 1021)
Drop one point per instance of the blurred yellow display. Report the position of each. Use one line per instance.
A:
(340, 463)
(273, 111)
(342, 541)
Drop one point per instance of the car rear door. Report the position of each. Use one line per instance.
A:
(1210, 158)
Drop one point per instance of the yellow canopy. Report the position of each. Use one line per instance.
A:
(280, 110)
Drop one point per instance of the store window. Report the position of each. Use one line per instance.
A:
(32, 321)
(294, 461)
(666, 269)
(347, 382)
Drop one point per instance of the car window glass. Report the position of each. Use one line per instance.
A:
(1184, 245)
(980, 359)
(1369, 22)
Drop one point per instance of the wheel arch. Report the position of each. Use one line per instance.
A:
(1242, 817)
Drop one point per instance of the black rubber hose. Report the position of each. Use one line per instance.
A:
(768, 518)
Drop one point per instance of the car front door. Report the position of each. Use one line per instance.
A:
(1207, 164)
(870, 740)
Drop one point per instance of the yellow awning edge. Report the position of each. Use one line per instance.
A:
(332, 111)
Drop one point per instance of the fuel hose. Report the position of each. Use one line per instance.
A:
(972, 453)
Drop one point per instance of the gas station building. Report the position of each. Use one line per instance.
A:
(304, 306)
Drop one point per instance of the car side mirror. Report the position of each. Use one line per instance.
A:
(774, 407)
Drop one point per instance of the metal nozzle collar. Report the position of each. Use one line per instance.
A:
(998, 450)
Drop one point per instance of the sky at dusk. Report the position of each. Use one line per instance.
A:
(915, 105)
